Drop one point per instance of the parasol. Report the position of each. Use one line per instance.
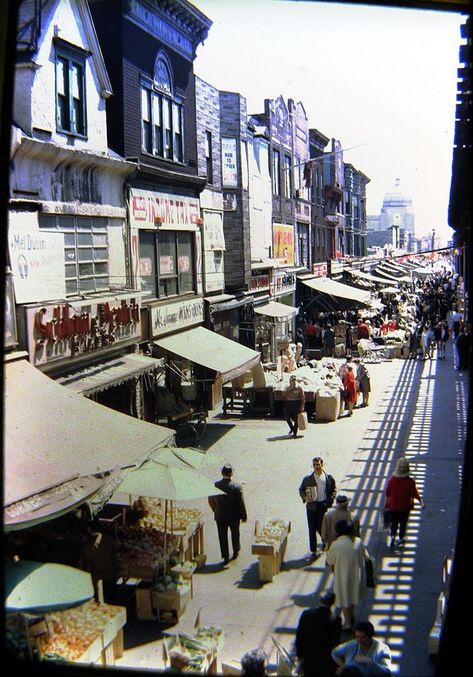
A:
(38, 587)
(187, 457)
(390, 290)
(155, 479)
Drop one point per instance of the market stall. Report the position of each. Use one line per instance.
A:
(201, 645)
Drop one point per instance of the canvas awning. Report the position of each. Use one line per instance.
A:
(327, 286)
(53, 435)
(367, 276)
(107, 374)
(218, 353)
(390, 274)
(277, 310)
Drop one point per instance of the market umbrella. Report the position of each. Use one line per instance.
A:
(389, 290)
(154, 479)
(187, 457)
(38, 587)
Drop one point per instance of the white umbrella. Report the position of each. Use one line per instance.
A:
(187, 457)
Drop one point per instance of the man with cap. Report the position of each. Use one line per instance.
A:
(229, 509)
(318, 633)
(339, 512)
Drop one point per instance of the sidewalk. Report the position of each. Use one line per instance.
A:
(417, 409)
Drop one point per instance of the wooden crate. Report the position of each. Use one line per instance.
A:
(270, 555)
(171, 600)
(144, 603)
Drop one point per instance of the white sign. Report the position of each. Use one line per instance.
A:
(37, 262)
(229, 163)
(175, 316)
(148, 208)
(213, 229)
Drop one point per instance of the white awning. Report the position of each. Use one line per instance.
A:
(107, 374)
(391, 275)
(367, 276)
(327, 286)
(228, 358)
(277, 310)
(53, 435)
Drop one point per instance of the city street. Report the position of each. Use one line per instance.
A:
(417, 409)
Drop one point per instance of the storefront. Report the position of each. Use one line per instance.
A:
(231, 317)
(274, 328)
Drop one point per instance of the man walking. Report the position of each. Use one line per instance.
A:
(229, 508)
(341, 511)
(318, 633)
(317, 491)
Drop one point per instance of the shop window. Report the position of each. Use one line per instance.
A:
(167, 265)
(287, 176)
(85, 251)
(70, 90)
(276, 172)
(208, 156)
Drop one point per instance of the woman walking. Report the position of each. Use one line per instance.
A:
(346, 557)
(401, 490)
(348, 394)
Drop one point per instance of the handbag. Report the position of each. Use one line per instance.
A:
(302, 421)
(370, 573)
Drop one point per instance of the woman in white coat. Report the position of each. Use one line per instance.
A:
(346, 557)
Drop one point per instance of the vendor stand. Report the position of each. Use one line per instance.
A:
(270, 542)
(202, 646)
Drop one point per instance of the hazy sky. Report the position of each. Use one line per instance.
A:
(379, 76)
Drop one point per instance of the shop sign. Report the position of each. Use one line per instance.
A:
(147, 208)
(172, 317)
(283, 237)
(320, 269)
(37, 262)
(214, 239)
(283, 283)
(229, 163)
(63, 331)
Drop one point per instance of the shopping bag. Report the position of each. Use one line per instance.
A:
(302, 421)
(370, 573)
(384, 520)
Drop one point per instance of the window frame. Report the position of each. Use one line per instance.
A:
(208, 153)
(71, 56)
(176, 276)
(276, 171)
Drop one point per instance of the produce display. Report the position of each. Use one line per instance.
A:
(153, 516)
(272, 532)
(68, 634)
(202, 646)
(143, 548)
(321, 379)
(169, 583)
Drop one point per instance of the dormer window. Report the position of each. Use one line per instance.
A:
(70, 65)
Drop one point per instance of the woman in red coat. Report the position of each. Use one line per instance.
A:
(348, 394)
(401, 490)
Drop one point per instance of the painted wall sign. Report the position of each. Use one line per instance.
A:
(176, 210)
(37, 262)
(171, 317)
(320, 269)
(229, 163)
(62, 331)
(283, 239)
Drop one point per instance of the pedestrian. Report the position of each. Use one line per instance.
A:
(318, 491)
(444, 336)
(294, 404)
(346, 558)
(372, 657)
(229, 509)
(400, 491)
(310, 332)
(363, 382)
(254, 663)
(362, 330)
(100, 558)
(329, 341)
(462, 344)
(414, 344)
(348, 394)
(339, 512)
(318, 633)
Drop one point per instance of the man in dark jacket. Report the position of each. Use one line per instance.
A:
(317, 490)
(229, 508)
(318, 632)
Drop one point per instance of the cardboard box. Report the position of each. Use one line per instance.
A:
(171, 600)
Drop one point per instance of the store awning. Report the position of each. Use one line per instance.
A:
(107, 374)
(277, 310)
(230, 304)
(327, 286)
(53, 435)
(367, 276)
(228, 358)
(391, 275)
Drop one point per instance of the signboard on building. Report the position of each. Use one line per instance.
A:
(148, 208)
(37, 262)
(229, 163)
(283, 243)
(283, 283)
(171, 317)
(60, 331)
(319, 269)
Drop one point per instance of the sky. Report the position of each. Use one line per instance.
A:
(382, 80)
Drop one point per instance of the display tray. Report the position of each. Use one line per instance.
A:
(170, 600)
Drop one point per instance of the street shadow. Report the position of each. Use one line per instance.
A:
(139, 632)
(214, 432)
(308, 601)
(276, 438)
(213, 568)
(301, 563)
(250, 578)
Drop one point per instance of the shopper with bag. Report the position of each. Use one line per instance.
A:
(347, 558)
(294, 405)
(401, 490)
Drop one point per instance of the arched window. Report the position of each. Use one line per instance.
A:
(163, 74)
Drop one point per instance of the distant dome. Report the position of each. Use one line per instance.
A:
(397, 196)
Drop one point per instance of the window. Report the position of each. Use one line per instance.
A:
(85, 251)
(208, 157)
(276, 171)
(166, 263)
(287, 176)
(70, 91)
(162, 115)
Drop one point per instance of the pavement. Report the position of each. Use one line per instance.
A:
(417, 409)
